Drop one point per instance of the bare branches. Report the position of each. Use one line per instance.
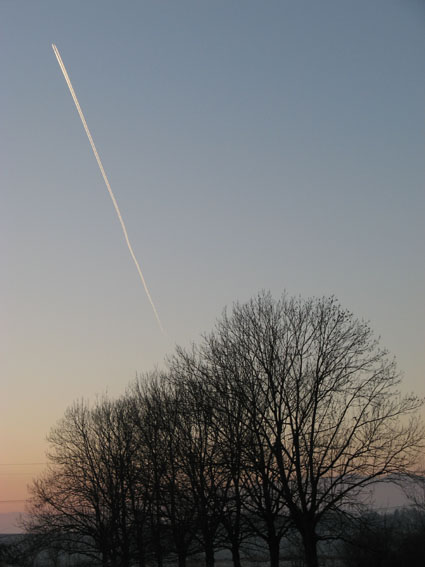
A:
(274, 423)
(320, 400)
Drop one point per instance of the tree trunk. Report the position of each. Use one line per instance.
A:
(158, 549)
(274, 551)
(181, 556)
(310, 548)
(236, 556)
(209, 554)
(181, 547)
(141, 550)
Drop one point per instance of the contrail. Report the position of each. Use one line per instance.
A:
(105, 178)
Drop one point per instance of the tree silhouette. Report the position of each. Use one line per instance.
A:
(321, 402)
(274, 424)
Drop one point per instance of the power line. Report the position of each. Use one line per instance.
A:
(21, 464)
(16, 473)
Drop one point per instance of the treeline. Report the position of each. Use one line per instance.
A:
(371, 539)
(266, 431)
(385, 540)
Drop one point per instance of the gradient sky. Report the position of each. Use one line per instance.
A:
(250, 145)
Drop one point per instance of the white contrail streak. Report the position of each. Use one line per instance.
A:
(99, 163)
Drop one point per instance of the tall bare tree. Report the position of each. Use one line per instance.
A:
(82, 501)
(322, 398)
(157, 423)
(234, 399)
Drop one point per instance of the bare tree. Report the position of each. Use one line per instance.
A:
(82, 501)
(233, 438)
(235, 398)
(199, 452)
(253, 405)
(327, 410)
(158, 425)
(177, 499)
(151, 454)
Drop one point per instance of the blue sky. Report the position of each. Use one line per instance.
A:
(250, 145)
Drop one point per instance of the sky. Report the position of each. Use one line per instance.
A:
(250, 145)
